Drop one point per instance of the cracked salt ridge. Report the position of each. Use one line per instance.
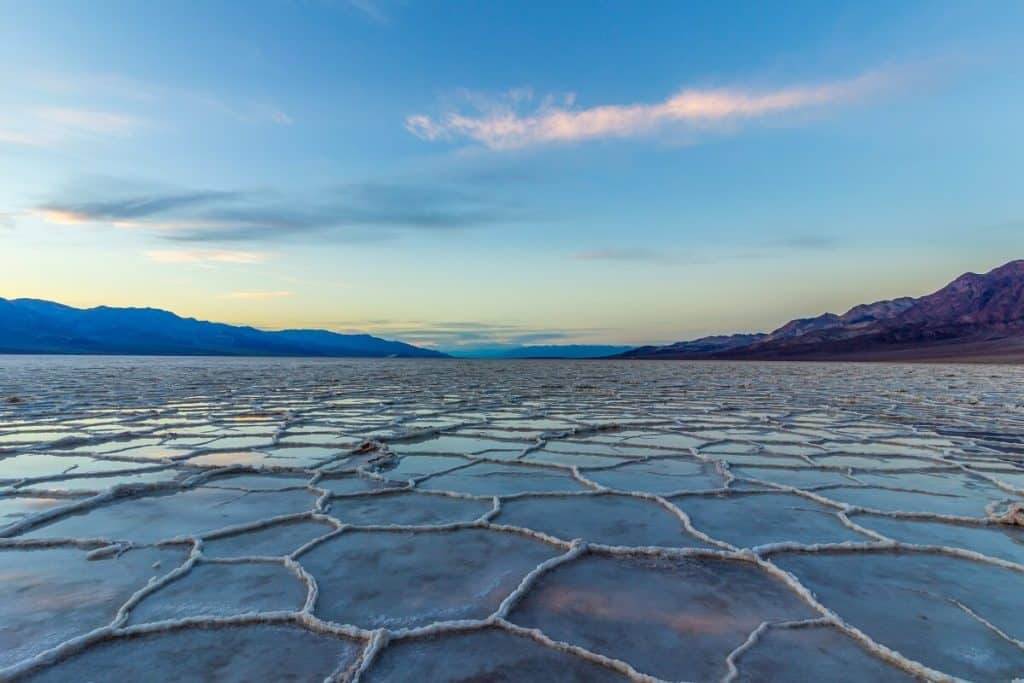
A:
(810, 650)
(770, 423)
(233, 653)
(949, 602)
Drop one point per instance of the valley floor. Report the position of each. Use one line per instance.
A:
(387, 520)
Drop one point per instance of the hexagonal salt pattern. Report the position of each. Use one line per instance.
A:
(347, 520)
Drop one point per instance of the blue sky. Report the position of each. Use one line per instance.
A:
(467, 173)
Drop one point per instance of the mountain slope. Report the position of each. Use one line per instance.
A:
(35, 326)
(704, 345)
(973, 316)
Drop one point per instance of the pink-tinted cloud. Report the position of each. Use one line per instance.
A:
(205, 256)
(62, 216)
(502, 126)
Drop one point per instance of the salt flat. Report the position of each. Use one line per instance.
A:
(295, 519)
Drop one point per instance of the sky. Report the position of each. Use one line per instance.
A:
(464, 173)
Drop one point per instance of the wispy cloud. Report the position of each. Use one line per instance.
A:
(205, 256)
(280, 118)
(65, 83)
(720, 252)
(46, 108)
(353, 212)
(256, 295)
(48, 126)
(502, 125)
(21, 138)
(371, 9)
(246, 111)
(782, 246)
(636, 255)
(452, 335)
(808, 242)
(117, 210)
(90, 121)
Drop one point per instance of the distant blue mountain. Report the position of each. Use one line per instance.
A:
(35, 326)
(542, 351)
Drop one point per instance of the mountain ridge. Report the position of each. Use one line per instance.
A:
(48, 327)
(977, 312)
(973, 316)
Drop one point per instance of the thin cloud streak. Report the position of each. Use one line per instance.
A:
(371, 9)
(499, 126)
(87, 121)
(356, 212)
(810, 242)
(205, 256)
(154, 97)
(633, 255)
(40, 111)
(256, 295)
(47, 126)
(22, 139)
(457, 334)
(130, 208)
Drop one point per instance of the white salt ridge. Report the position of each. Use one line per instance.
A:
(676, 432)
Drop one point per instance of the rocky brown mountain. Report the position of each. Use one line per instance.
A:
(976, 315)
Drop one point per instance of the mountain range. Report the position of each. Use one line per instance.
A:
(35, 326)
(977, 317)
